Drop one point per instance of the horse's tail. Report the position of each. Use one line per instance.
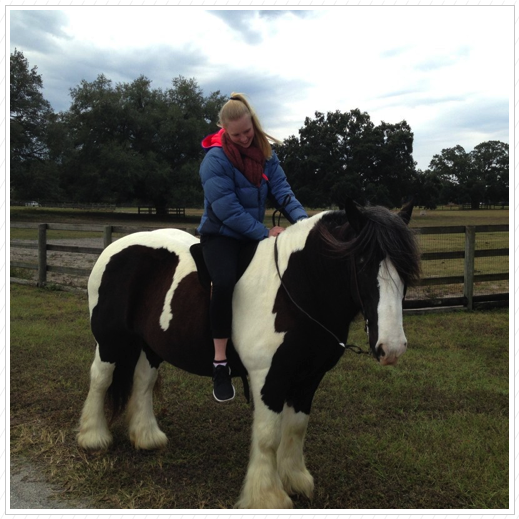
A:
(122, 382)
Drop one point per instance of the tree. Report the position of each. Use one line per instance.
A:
(474, 178)
(393, 169)
(31, 176)
(452, 168)
(427, 187)
(345, 154)
(133, 142)
(491, 160)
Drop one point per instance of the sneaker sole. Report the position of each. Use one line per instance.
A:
(228, 399)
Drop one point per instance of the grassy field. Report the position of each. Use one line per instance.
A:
(129, 217)
(431, 433)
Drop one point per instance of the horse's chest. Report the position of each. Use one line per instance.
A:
(254, 322)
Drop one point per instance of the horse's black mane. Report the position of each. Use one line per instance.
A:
(384, 235)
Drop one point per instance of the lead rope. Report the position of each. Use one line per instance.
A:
(352, 347)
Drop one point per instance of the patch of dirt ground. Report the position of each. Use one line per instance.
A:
(31, 490)
(58, 259)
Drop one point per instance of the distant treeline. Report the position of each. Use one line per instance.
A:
(131, 143)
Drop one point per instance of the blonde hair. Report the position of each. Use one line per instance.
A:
(235, 109)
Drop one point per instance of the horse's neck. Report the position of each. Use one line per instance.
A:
(317, 281)
(293, 240)
(313, 271)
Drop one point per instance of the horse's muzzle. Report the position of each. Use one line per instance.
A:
(389, 356)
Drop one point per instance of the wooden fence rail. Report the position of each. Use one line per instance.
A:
(175, 211)
(467, 279)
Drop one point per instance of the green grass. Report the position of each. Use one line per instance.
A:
(431, 433)
(445, 217)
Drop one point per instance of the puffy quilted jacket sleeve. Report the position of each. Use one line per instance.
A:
(280, 188)
(220, 191)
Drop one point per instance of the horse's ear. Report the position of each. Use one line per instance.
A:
(355, 217)
(406, 212)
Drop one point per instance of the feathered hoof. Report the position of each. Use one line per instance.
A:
(94, 440)
(299, 483)
(149, 440)
(273, 499)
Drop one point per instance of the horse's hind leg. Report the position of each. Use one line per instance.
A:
(291, 464)
(142, 424)
(93, 427)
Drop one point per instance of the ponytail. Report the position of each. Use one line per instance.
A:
(238, 106)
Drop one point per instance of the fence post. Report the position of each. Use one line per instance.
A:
(42, 254)
(107, 236)
(470, 247)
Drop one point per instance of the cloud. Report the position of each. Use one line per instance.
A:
(75, 54)
(240, 22)
(246, 22)
(67, 65)
(481, 115)
(390, 62)
(38, 30)
(467, 123)
(269, 94)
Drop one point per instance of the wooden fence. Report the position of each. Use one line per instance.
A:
(469, 277)
(175, 211)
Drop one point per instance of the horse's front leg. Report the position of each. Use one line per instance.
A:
(291, 464)
(263, 488)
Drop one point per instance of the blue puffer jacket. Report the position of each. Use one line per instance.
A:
(232, 205)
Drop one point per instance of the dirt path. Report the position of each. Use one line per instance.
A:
(31, 490)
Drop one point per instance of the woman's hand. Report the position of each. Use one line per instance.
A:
(275, 231)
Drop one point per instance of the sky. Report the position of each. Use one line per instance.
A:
(446, 70)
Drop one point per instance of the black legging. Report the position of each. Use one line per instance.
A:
(221, 257)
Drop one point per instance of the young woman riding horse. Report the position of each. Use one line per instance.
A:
(238, 173)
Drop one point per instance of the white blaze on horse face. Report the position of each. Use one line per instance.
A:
(391, 337)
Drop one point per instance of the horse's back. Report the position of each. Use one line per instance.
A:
(145, 293)
(125, 258)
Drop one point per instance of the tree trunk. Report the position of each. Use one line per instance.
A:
(161, 208)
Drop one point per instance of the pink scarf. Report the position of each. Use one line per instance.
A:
(250, 161)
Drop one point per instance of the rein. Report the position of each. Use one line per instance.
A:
(352, 347)
(279, 210)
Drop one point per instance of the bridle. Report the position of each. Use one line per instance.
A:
(352, 347)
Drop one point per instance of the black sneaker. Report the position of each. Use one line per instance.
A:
(223, 389)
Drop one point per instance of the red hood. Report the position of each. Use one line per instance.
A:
(215, 139)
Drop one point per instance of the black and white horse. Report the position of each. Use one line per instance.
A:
(292, 309)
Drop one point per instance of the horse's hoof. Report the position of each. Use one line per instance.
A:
(150, 441)
(94, 441)
(277, 499)
(299, 483)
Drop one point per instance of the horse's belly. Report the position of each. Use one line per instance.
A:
(186, 340)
